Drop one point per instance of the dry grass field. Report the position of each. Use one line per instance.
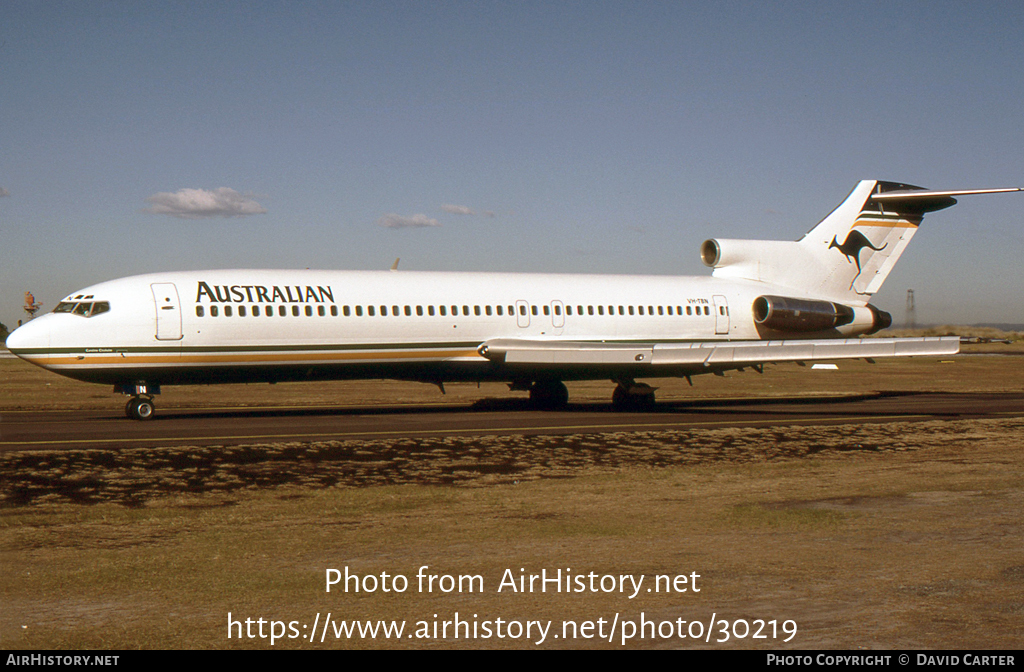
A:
(864, 536)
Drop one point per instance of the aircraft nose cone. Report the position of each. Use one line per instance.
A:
(34, 334)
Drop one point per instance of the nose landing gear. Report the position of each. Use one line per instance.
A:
(140, 406)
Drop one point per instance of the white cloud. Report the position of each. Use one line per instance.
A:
(393, 221)
(464, 210)
(200, 203)
(458, 209)
(4, 192)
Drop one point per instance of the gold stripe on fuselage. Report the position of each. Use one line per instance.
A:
(89, 361)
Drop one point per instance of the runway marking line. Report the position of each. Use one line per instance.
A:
(511, 430)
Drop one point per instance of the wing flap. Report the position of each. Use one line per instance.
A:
(513, 351)
(711, 354)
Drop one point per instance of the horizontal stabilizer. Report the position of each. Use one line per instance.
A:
(923, 200)
(710, 354)
(925, 193)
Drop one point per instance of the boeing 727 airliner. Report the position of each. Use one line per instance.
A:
(765, 301)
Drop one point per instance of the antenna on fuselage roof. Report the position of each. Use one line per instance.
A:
(394, 266)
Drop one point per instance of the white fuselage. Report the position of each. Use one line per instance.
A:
(766, 301)
(266, 325)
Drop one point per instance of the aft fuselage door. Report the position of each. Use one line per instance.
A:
(168, 311)
(721, 314)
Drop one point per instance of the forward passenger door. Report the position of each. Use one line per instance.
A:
(168, 311)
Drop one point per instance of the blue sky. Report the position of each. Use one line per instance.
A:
(518, 136)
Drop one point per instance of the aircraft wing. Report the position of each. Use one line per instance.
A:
(708, 355)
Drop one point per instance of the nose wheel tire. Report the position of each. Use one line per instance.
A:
(139, 408)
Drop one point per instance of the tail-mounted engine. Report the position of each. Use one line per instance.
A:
(784, 314)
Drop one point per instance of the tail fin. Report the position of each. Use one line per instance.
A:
(849, 254)
(863, 238)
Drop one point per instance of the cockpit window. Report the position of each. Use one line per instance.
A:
(83, 308)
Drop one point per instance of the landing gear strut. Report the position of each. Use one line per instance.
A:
(633, 396)
(549, 395)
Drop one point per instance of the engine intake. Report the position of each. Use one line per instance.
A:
(785, 314)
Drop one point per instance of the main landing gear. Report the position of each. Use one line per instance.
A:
(549, 395)
(140, 406)
(633, 396)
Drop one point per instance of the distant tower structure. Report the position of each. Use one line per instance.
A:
(31, 305)
(911, 322)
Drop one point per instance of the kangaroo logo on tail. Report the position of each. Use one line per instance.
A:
(851, 247)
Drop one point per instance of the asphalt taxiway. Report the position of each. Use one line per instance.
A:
(53, 429)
